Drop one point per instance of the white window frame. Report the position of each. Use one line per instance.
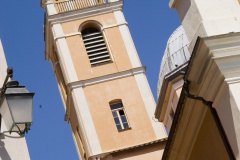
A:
(119, 116)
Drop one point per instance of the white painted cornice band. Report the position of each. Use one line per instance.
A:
(115, 25)
(85, 12)
(67, 35)
(49, 2)
(233, 80)
(79, 33)
(105, 78)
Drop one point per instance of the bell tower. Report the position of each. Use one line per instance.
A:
(107, 98)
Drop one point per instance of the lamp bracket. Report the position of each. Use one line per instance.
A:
(9, 75)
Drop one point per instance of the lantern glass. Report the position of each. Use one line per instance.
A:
(16, 109)
(20, 107)
(6, 116)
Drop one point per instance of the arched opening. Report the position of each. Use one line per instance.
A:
(95, 46)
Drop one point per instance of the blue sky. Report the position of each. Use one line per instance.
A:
(21, 30)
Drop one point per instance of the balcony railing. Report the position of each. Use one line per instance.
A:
(71, 5)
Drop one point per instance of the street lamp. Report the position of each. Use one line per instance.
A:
(15, 106)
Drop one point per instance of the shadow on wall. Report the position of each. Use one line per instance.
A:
(229, 116)
(3, 152)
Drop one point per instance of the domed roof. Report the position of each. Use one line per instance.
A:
(176, 54)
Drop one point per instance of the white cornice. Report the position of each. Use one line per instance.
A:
(233, 80)
(217, 59)
(73, 15)
(79, 33)
(85, 12)
(105, 78)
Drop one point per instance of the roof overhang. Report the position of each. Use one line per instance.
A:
(167, 83)
(214, 61)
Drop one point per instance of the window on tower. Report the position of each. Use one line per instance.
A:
(95, 46)
(119, 115)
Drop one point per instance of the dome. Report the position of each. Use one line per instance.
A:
(176, 54)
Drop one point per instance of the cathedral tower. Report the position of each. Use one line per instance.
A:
(103, 85)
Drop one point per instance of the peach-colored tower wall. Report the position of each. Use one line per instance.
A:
(87, 90)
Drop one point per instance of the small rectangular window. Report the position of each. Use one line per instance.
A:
(119, 116)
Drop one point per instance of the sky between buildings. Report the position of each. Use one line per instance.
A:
(21, 30)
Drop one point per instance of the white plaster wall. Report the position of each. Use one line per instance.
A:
(219, 16)
(235, 90)
(3, 65)
(10, 148)
(207, 18)
(113, 0)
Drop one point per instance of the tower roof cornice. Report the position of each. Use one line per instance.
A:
(85, 12)
(51, 19)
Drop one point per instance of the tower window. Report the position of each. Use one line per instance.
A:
(95, 46)
(119, 116)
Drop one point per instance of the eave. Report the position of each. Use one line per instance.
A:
(168, 80)
(207, 71)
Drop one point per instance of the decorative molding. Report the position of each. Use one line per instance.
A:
(79, 33)
(233, 80)
(74, 15)
(64, 55)
(85, 12)
(67, 35)
(115, 25)
(150, 105)
(85, 121)
(51, 10)
(127, 39)
(105, 78)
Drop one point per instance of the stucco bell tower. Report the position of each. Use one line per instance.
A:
(103, 85)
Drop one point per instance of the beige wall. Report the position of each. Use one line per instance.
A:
(152, 152)
(227, 109)
(208, 144)
(116, 48)
(215, 18)
(99, 96)
(90, 111)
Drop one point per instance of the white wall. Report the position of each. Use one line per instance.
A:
(10, 148)
(3, 65)
(206, 18)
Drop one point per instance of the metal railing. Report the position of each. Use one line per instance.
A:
(71, 5)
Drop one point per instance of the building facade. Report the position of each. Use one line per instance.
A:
(206, 113)
(107, 98)
(12, 146)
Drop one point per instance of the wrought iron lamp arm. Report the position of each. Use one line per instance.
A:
(9, 75)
